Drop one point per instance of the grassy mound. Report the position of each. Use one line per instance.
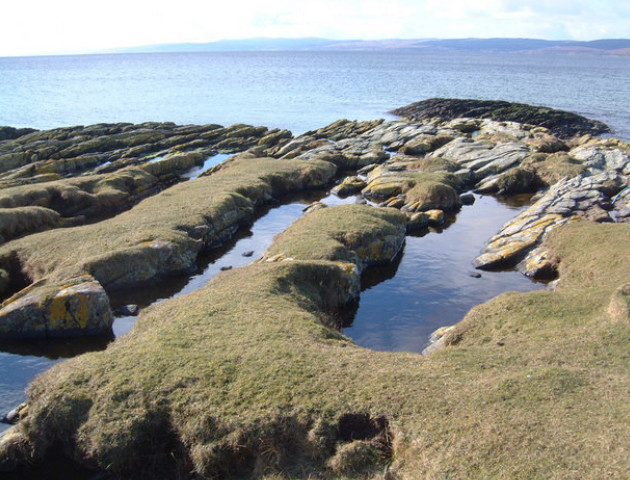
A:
(254, 385)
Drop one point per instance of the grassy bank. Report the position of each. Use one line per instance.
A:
(256, 385)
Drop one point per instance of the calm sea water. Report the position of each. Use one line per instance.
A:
(430, 286)
(298, 90)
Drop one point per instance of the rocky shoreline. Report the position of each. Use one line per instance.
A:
(213, 385)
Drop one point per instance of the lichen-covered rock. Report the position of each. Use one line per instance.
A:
(435, 217)
(78, 307)
(425, 164)
(482, 157)
(516, 240)
(424, 143)
(105, 148)
(597, 159)
(349, 186)
(342, 129)
(540, 264)
(567, 200)
(417, 221)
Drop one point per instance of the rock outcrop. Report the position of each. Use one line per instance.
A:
(591, 195)
(79, 307)
(559, 122)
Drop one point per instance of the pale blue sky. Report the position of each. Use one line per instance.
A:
(33, 27)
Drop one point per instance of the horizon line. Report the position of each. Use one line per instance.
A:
(143, 48)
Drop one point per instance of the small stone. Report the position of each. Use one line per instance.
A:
(349, 186)
(474, 274)
(314, 206)
(417, 221)
(435, 217)
(467, 199)
(227, 267)
(15, 415)
(500, 343)
(127, 310)
(248, 253)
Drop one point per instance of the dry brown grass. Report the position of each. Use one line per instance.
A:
(163, 234)
(254, 385)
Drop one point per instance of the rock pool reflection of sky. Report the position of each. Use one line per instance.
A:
(433, 285)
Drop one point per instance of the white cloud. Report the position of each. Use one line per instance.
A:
(38, 26)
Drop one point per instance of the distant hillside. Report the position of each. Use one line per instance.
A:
(522, 44)
(597, 47)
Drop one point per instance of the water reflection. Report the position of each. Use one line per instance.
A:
(432, 285)
(55, 348)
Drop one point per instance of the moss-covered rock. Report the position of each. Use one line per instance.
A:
(349, 186)
(23, 220)
(431, 195)
(159, 237)
(424, 144)
(551, 168)
(357, 234)
(518, 180)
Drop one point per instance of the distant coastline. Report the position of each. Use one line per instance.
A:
(616, 47)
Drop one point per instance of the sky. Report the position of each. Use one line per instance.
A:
(42, 27)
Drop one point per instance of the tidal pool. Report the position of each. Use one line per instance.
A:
(433, 282)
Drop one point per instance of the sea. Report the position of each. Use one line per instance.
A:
(431, 283)
(299, 91)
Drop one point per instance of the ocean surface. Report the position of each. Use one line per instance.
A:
(430, 285)
(298, 90)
